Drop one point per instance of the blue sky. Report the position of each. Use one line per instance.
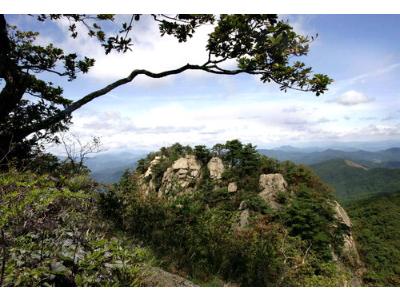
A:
(360, 52)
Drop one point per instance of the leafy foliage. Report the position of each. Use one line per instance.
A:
(52, 235)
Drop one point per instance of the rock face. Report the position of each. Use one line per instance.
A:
(244, 218)
(341, 214)
(349, 247)
(216, 168)
(350, 252)
(154, 162)
(271, 185)
(232, 187)
(156, 277)
(150, 186)
(181, 176)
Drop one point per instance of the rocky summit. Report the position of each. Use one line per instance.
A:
(251, 199)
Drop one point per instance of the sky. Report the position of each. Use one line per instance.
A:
(360, 52)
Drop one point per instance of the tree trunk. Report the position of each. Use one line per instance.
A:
(15, 86)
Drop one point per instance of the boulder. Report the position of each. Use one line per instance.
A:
(242, 205)
(244, 218)
(156, 277)
(232, 187)
(181, 163)
(177, 178)
(216, 167)
(271, 185)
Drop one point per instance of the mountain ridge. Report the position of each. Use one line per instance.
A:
(351, 183)
(108, 168)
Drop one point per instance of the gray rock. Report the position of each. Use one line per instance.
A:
(156, 277)
(271, 185)
(349, 247)
(177, 178)
(232, 187)
(216, 167)
(146, 186)
(341, 214)
(180, 163)
(242, 205)
(244, 218)
(154, 162)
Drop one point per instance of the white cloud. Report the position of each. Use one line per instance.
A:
(150, 51)
(352, 97)
(263, 123)
(301, 24)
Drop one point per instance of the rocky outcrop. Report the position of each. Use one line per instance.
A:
(156, 277)
(341, 214)
(271, 185)
(184, 176)
(244, 218)
(232, 187)
(181, 176)
(215, 167)
(349, 251)
(147, 177)
(154, 162)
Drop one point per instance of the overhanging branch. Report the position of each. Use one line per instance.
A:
(89, 97)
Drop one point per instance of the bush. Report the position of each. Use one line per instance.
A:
(53, 235)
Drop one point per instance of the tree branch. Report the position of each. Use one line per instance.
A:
(89, 97)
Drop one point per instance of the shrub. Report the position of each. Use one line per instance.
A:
(52, 235)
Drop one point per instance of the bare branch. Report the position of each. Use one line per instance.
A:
(8, 151)
(77, 151)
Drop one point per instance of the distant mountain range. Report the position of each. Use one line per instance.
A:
(108, 168)
(389, 158)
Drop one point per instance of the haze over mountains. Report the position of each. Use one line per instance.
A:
(109, 167)
(384, 158)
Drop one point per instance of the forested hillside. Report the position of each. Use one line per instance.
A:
(376, 226)
(352, 180)
(211, 217)
(229, 214)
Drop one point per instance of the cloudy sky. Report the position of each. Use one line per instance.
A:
(360, 52)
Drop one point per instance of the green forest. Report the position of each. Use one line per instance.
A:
(376, 227)
(352, 183)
